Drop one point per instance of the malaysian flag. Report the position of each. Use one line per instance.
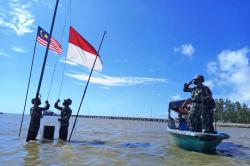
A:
(43, 39)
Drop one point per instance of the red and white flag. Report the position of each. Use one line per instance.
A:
(81, 52)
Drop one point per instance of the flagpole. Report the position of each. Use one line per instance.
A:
(45, 57)
(51, 81)
(47, 50)
(85, 90)
(28, 87)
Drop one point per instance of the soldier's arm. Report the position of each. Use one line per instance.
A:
(46, 106)
(186, 88)
(209, 93)
(57, 106)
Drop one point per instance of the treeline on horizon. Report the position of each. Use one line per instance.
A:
(232, 112)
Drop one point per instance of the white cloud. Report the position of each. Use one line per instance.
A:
(104, 87)
(3, 53)
(177, 97)
(231, 73)
(18, 49)
(116, 81)
(48, 3)
(212, 67)
(185, 49)
(209, 83)
(17, 18)
(68, 62)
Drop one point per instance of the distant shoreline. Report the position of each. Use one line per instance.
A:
(124, 118)
(220, 124)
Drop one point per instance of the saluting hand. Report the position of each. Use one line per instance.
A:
(190, 82)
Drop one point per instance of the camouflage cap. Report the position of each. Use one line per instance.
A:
(199, 77)
(68, 101)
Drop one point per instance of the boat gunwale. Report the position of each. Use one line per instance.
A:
(219, 135)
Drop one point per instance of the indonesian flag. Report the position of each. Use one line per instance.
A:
(81, 52)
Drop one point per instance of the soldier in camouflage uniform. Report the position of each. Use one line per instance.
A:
(201, 112)
(65, 116)
(36, 115)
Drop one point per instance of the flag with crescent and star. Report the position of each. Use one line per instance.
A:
(43, 39)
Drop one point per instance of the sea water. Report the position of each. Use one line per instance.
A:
(113, 142)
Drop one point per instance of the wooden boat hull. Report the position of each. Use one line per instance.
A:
(195, 141)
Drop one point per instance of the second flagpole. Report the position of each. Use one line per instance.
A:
(28, 87)
(85, 90)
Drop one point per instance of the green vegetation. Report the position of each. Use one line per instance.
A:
(233, 112)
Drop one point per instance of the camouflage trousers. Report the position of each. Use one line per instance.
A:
(208, 121)
(200, 118)
(33, 129)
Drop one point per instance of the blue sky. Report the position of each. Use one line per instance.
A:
(151, 49)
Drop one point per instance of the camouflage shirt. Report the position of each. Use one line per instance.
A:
(65, 114)
(200, 94)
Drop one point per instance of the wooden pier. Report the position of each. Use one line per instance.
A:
(154, 120)
(124, 118)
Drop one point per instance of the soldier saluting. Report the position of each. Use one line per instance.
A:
(201, 114)
(65, 116)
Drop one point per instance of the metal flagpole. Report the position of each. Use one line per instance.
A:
(51, 81)
(86, 86)
(62, 36)
(47, 50)
(28, 87)
(45, 57)
(214, 115)
(60, 90)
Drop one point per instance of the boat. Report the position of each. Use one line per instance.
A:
(180, 136)
(49, 113)
(1, 112)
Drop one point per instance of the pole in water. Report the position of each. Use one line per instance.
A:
(45, 58)
(28, 87)
(87, 86)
